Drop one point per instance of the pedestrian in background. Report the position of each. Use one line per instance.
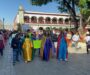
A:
(1, 44)
(15, 46)
(87, 38)
(75, 40)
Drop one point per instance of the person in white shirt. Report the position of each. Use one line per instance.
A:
(75, 39)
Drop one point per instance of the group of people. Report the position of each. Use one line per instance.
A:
(26, 44)
(47, 43)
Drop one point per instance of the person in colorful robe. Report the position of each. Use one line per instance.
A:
(58, 43)
(32, 36)
(62, 47)
(46, 47)
(27, 49)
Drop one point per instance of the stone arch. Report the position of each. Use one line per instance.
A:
(48, 20)
(66, 21)
(60, 20)
(54, 20)
(26, 19)
(34, 19)
(41, 20)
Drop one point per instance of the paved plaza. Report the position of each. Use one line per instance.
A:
(78, 64)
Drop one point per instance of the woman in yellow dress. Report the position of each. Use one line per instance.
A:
(27, 49)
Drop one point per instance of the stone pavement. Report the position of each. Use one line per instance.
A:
(6, 67)
(78, 64)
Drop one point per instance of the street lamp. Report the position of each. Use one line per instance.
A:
(3, 23)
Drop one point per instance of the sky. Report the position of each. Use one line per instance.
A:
(9, 9)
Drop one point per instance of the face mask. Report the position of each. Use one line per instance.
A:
(53, 32)
(57, 33)
(41, 32)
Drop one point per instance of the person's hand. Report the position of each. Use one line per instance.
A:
(15, 45)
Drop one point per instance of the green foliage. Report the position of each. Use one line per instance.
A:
(84, 9)
(40, 2)
(82, 3)
(88, 4)
(86, 14)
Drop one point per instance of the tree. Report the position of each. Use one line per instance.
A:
(84, 6)
(88, 4)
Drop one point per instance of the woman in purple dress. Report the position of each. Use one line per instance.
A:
(46, 46)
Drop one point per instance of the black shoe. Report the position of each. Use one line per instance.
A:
(13, 64)
(17, 60)
(1, 54)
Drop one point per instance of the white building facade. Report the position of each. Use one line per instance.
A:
(42, 19)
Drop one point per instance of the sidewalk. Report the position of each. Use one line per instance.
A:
(6, 67)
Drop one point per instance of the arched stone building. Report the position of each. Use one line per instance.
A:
(43, 19)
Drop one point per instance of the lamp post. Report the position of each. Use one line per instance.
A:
(3, 23)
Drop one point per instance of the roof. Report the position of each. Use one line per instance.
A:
(45, 13)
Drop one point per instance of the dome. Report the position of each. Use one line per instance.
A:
(21, 7)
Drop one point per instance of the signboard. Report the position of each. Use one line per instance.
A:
(37, 44)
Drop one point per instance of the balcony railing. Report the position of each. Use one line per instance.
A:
(60, 22)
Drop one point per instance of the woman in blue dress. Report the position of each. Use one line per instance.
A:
(62, 50)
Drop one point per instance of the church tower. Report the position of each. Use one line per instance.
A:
(21, 15)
